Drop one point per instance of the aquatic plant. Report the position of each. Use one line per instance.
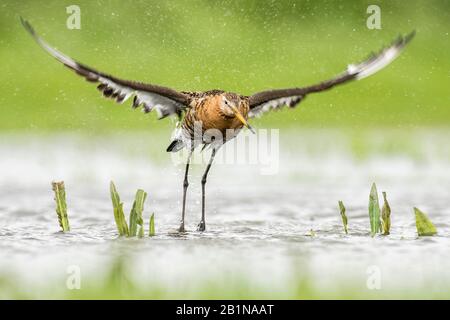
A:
(136, 214)
(423, 224)
(344, 217)
(374, 211)
(151, 230)
(136, 222)
(386, 216)
(119, 216)
(61, 205)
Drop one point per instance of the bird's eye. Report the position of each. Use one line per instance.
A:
(226, 102)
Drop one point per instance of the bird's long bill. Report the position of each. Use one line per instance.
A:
(242, 119)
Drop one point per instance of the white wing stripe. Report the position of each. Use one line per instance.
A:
(371, 66)
(110, 88)
(274, 104)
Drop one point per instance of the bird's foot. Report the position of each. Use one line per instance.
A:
(181, 228)
(201, 226)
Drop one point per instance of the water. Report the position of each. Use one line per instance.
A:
(264, 230)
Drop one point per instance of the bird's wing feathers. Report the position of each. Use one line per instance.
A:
(264, 101)
(164, 100)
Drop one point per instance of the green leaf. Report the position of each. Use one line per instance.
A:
(136, 213)
(374, 211)
(386, 216)
(344, 217)
(151, 231)
(61, 206)
(423, 224)
(119, 216)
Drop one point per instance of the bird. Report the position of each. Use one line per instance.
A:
(211, 118)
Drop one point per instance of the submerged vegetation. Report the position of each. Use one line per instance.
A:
(136, 223)
(423, 224)
(119, 216)
(380, 223)
(61, 205)
(151, 229)
(136, 220)
(344, 217)
(374, 211)
(386, 216)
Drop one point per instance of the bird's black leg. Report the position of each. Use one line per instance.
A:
(185, 186)
(202, 224)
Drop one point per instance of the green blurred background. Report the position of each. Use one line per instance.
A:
(241, 46)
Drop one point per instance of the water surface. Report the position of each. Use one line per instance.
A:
(263, 231)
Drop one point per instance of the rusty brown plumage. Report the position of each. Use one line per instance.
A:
(206, 110)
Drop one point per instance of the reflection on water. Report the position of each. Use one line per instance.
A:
(257, 224)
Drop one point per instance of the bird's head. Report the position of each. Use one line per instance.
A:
(230, 108)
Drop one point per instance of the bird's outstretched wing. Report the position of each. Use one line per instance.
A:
(164, 100)
(264, 101)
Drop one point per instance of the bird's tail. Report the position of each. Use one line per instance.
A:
(175, 145)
